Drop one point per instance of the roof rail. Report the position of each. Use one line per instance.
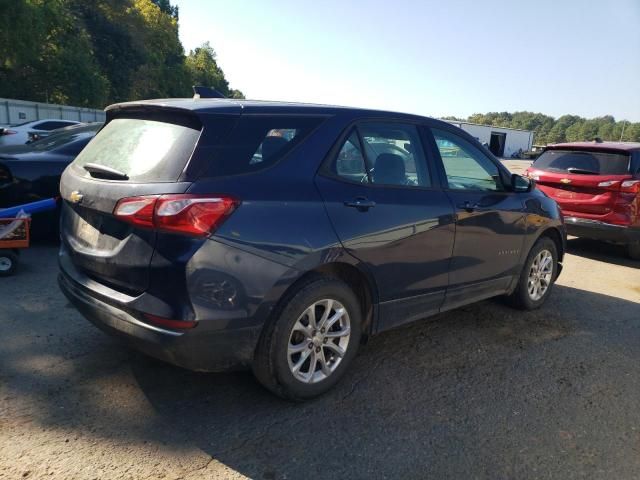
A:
(200, 91)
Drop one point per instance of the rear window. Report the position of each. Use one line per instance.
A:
(258, 142)
(583, 162)
(64, 137)
(145, 150)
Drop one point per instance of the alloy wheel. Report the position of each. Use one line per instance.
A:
(318, 341)
(540, 275)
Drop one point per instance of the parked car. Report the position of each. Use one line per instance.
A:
(29, 173)
(597, 185)
(179, 238)
(24, 132)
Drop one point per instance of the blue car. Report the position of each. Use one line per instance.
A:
(218, 234)
(31, 173)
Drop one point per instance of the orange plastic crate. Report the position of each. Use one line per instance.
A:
(19, 238)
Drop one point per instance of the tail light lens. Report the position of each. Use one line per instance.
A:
(186, 214)
(630, 186)
(610, 184)
(137, 210)
(4, 131)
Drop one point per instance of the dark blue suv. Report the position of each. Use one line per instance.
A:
(217, 234)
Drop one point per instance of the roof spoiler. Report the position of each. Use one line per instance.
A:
(200, 91)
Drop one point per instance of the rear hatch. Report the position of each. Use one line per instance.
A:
(139, 152)
(584, 183)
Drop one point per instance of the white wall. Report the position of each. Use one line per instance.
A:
(514, 140)
(20, 111)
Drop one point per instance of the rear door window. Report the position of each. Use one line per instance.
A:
(583, 162)
(143, 149)
(394, 154)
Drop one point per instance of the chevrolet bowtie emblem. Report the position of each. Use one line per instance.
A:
(75, 197)
(565, 180)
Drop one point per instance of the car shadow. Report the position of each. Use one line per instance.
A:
(414, 394)
(479, 391)
(601, 251)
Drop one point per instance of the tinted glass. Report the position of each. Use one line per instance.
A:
(52, 125)
(466, 167)
(350, 163)
(64, 137)
(595, 163)
(394, 154)
(258, 142)
(145, 150)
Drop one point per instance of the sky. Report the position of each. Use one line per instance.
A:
(435, 58)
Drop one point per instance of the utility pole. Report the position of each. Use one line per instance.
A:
(624, 124)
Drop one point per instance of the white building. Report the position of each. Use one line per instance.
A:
(503, 142)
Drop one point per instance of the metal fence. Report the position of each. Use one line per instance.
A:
(19, 111)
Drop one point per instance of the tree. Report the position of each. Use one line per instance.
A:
(204, 70)
(99, 52)
(163, 73)
(567, 128)
(166, 7)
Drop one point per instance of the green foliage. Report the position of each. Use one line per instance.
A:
(93, 53)
(567, 128)
(204, 70)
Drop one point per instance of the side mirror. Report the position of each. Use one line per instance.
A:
(521, 184)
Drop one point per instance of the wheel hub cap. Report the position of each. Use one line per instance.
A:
(5, 264)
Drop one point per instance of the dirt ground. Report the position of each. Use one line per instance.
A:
(481, 392)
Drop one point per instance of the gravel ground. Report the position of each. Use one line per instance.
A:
(481, 392)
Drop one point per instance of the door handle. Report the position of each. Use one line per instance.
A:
(468, 206)
(361, 203)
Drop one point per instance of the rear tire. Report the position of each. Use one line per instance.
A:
(8, 263)
(633, 250)
(310, 341)
(537, 276)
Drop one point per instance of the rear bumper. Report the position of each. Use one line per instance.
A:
(201, 348)
(581, 227)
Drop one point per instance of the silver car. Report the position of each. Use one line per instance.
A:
(25, 132)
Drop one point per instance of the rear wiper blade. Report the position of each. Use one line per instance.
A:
(581, 171)
(101, 171)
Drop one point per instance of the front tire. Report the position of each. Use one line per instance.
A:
(310, 342)
(537, 277)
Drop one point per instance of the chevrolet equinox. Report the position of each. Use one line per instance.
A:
(216, 234)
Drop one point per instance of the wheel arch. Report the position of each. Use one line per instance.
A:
(556, 236)
(358, 280)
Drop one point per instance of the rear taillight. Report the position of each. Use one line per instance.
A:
(609, 184)
(4, 131)
(182, 213)
(630, 186)
(137, 210)
(624, 186)
(533, 174)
